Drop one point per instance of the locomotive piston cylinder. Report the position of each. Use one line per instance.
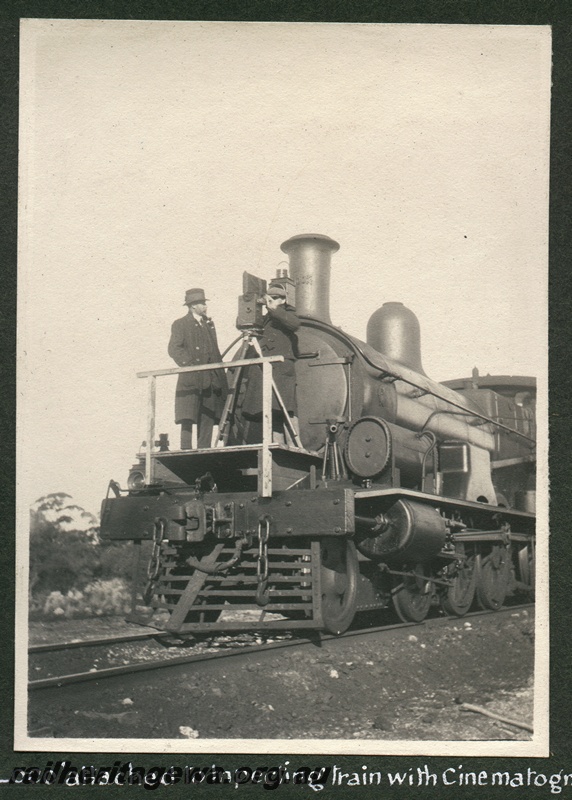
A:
(408, 531)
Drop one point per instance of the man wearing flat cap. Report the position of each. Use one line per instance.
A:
(278, 339)
(200, 396)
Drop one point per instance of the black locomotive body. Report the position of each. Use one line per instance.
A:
(397, 491)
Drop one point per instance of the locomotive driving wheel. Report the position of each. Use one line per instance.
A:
(457, 598)
(493, 573)
(339, 573)
(526, 568)
(412, 595)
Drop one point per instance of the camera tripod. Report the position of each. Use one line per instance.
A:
(249, 339)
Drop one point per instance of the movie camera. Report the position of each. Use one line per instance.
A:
(252, 300)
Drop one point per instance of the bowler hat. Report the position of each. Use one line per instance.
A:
(195, 296)
(276, 290)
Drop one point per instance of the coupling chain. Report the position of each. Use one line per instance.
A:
(221, 566)
(262, 593)
(154, 565)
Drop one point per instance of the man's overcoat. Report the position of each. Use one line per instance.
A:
(278, 339)
(194, 343)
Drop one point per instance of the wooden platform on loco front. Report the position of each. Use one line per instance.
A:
(237, 468)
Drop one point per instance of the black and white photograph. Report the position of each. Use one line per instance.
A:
(282, 416)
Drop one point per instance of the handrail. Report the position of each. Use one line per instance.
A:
(265, 458)
(400, 372)
(243, 362)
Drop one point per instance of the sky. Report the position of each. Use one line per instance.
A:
(160, 156)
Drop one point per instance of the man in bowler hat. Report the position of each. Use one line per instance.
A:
(200, 396)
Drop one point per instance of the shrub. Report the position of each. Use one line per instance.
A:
(97, 599)
(72, 572)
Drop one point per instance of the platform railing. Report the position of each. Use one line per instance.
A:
(264, 456)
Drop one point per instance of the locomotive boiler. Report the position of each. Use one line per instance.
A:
(393, 489)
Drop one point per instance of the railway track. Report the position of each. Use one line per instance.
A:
(198, 660)
(52, 647)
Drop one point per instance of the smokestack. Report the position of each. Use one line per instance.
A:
(310, 256)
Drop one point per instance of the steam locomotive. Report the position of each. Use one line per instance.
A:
(392, 491)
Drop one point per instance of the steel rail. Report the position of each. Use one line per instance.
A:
(50, 647)
(149, 666)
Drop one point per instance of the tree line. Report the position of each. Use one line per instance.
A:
(66, 553)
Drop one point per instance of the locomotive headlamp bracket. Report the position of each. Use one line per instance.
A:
(115, 488)
(331, 361)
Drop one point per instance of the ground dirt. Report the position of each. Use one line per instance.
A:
(402, 684)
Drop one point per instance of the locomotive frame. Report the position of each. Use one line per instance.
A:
(407, 493)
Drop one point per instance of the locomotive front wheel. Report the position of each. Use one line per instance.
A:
(458, 597)
(339, 574)
(412, 596)
(493, 573)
